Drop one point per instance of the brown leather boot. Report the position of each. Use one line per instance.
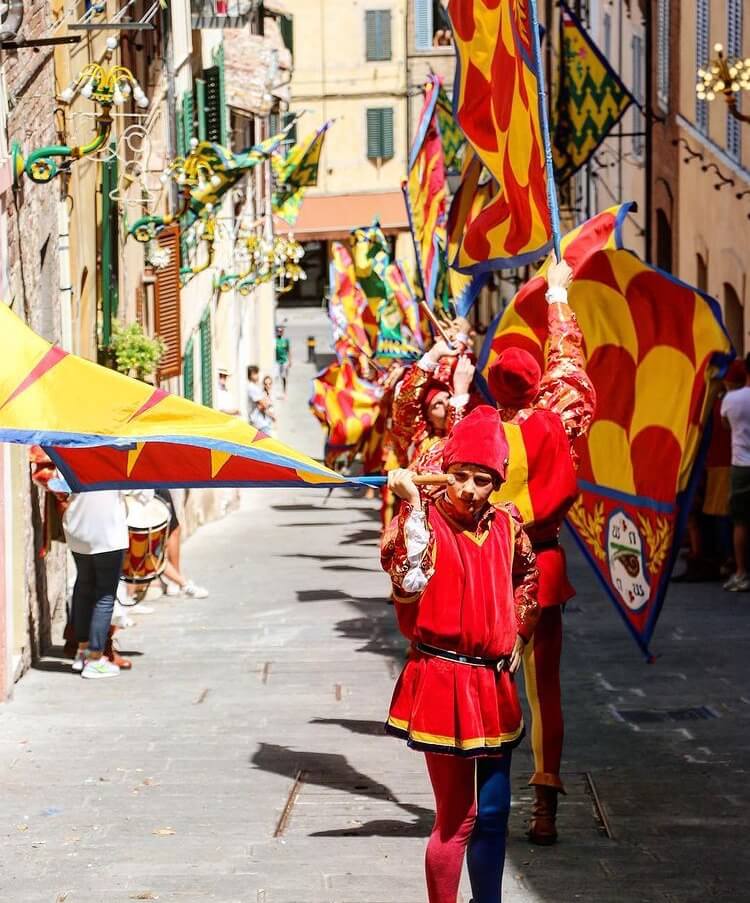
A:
(542, 828)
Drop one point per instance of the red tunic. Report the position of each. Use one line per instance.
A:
(479, 596)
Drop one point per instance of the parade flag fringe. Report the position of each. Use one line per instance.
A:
(591, 99)
(105, 430)
(498, 102)
(655, 350)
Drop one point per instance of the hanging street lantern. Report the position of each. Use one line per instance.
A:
(724, 75)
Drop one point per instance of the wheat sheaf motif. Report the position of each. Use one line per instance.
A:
(591, 526)
(657, 537)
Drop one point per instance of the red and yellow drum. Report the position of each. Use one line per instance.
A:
(148, 529)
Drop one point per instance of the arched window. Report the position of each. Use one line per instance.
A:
(701, 273)
(663, 242)
(734, 318)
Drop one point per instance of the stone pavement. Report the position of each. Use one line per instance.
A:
(242, 760)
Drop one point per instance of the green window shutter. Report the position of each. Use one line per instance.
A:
(286, 26)
(378, 34)
(379, 133)
(188, 372)
(179, 132)
(215, 106)
(207, 378)
(110, 236)
(423, 30)
(188, 123)
(200, 105)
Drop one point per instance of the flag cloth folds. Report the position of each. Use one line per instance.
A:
(591, 99)
(105, 430)
(451, 136)
(426, 192)
(655, 348)
(497, 105)
(347, 407)
(297, 172)
(355, 326)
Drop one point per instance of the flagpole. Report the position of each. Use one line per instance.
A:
(554, 210)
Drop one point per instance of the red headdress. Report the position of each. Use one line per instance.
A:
(514, 378)
(478, 439)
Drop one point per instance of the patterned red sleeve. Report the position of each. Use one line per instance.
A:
(406, 417)
(525, 577)
(566, 388)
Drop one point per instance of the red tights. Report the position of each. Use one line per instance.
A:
(472, 803)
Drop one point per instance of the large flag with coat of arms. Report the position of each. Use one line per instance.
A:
(655, 349)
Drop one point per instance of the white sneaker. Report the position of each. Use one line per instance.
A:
(123, 620)
(99, 667)
(194, 592)
(173, 589)
(79, 661)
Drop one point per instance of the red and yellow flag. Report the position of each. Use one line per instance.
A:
(425, 191)
(654, 347)
(105, 430)
(497, 105)
(354, 323)
(347, 407)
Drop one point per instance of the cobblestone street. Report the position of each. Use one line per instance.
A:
(243, 761)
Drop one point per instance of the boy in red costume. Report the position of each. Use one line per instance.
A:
(464, 586)
(543, 416)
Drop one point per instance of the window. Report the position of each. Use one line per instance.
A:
(188, 372)
(663, 242)
(215, 100)
(638, 73)
(207, 376)
(701, 273)
(734, 319)
(380, 133)
(702, 31)
(734, 48)
(378, 34)
(277, 122)
(607, 34)
(109, 268)
(286, 27)
(662, 65)
(432, 25)
(167, 302)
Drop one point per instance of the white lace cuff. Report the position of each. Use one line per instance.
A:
(427, 364)
(556, 294)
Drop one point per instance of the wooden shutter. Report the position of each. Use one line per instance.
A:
(188, 371)
(200, 105)
(734, 49)
(702, 54)
(378, 34)
(423, 30)
(109, 268)
(179, 132)
(167, 302)
(213, 104)
(374, 133)
(188, 124)
(207, 376)
(387, 132)
(140, 303)
(286, 26)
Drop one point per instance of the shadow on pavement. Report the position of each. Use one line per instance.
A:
(334, 771)
(355, 725)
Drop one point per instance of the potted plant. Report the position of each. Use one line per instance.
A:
(135, 353)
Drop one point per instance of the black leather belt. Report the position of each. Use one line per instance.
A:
(546, 544)
(496, 664)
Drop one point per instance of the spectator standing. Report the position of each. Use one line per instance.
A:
(735, 410)
(270, 414)
(283, 357)
(96, 530)
(259, 402)
(225, 401)
(176, 582)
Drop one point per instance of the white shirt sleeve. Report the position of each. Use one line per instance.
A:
(417, 538)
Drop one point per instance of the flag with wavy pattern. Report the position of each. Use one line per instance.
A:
(347, 407)
(655, 348)
(105, 430)
(591, 98)
(497, 105)
(426, 191)
(297, 172)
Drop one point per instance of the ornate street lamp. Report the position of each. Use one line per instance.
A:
(727, 76)
(107, 88)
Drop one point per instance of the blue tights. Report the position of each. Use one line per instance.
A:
(472, 802)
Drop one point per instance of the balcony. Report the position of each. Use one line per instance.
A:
(221, 13)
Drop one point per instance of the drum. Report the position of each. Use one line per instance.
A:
(148, 529)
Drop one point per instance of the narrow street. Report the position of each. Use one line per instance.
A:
(243, 761)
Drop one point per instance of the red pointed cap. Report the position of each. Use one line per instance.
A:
(514, 378)
(478, 439)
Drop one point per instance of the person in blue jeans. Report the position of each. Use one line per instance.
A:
(96, 531)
